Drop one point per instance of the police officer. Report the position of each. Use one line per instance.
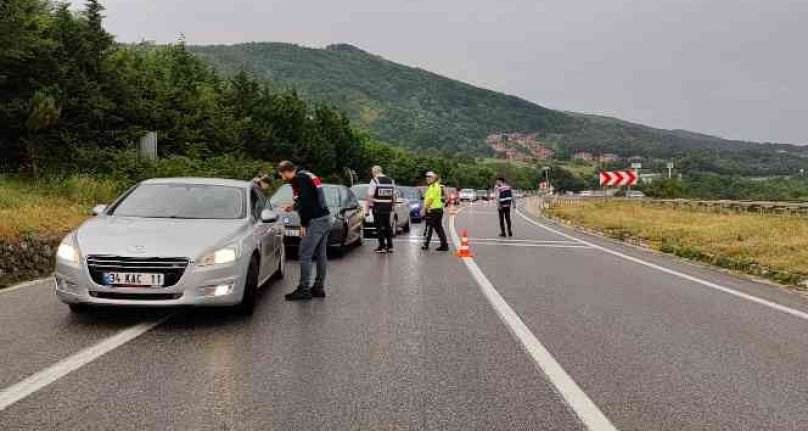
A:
(262, 180)
(433, 211)
(504, 202)
(315, 224)
(381, 199)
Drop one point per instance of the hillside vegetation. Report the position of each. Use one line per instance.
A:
(418, 109)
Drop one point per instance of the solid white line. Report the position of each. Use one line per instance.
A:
(26, 284)
(24, 388)
(746, 296)
(500, 244)
(573, 395)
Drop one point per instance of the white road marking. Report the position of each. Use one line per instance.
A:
(500, 244)
(33, 383)
(573, 395)
(746, 296)
(27, 284)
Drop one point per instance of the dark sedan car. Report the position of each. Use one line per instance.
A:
(346, 218)
(416, 201)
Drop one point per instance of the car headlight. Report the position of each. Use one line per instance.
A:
(68, 251)
(219, 257)
(415, 205)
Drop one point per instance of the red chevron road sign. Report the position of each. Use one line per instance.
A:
(618, 178)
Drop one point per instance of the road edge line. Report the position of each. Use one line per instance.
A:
(26, 284)
(773, 305)
(575, 398)
(39, 380)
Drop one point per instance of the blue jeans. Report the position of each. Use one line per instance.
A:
(314, 246)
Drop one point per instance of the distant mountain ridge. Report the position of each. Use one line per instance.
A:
(421, 110)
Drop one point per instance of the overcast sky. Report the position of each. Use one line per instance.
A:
(733, 68)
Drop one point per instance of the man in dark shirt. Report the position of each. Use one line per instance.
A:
(315, 224)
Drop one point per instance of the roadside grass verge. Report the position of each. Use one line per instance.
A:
(770, 246)
(34, 216)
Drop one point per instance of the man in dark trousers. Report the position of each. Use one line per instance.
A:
(381, 199)
(504, 202)
(315, 224)
(433, 211)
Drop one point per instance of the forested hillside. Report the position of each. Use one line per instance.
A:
(418, 109)
(73, 101)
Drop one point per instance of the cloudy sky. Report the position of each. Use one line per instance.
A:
(734, 68)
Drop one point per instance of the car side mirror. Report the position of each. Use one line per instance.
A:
(99, 209)
(269, 216)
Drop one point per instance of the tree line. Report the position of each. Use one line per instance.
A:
(72, 100)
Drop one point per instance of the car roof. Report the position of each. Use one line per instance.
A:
(199, 181)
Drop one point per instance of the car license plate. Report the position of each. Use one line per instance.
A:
(292, 232)
(133, 279)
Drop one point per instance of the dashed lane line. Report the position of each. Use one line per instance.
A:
(35, 382)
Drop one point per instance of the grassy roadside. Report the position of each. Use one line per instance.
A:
(770, 246)
(34, 216)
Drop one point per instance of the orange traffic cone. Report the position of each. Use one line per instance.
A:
(464, 245)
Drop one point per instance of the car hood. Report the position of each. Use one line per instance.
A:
(139, 237)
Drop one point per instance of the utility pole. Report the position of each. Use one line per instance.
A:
(670, 170)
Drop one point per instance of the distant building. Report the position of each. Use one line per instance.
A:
(519, 146)
(584, 156)
(608, 158)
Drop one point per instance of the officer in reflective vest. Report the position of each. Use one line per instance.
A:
(381, 199)
(504, 202)
(433, 211)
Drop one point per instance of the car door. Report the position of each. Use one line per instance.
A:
(402, 208)
(353, 216)
(263, 234)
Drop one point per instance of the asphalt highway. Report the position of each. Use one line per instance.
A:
(551, 329)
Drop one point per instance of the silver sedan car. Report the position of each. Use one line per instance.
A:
(174, 241)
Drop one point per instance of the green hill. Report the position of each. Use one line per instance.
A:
(418, 109)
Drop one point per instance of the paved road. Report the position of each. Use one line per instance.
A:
(407, 342)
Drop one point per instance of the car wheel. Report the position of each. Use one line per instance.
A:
(280, 272)
(247, 304)
(408, 226)
(395, 226)
(79, 308)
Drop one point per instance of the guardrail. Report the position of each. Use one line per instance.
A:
(718, 206)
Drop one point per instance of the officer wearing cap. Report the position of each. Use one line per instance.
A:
(433, 211)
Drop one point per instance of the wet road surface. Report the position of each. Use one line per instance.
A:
(410, 341)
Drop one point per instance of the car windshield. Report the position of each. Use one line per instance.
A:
(183, 201)
(284, 195)
(410, 193)
(361, 191)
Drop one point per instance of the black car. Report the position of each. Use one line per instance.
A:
(346, 218)
(415, 198)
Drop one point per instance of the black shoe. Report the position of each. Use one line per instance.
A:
(444, 247)
(510, 233)
(389, 249)
(380, 250)
(425, 247)
(502, 235)
(318, 292)
(298, 295)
